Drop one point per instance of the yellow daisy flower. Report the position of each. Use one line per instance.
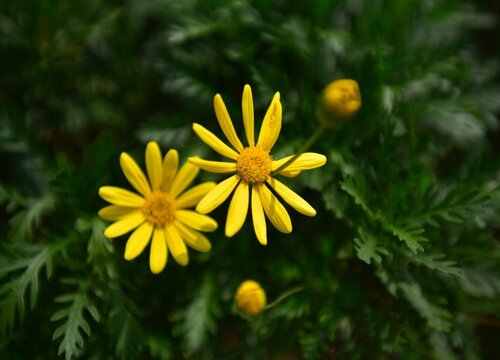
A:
(253, 168)
(160, 211)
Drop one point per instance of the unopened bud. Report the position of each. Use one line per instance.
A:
(341, 100)
(250, 298)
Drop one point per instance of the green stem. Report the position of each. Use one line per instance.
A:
(312, 139)
(284, 296)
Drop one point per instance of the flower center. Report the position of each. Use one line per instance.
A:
(254, 165)
(159, 208)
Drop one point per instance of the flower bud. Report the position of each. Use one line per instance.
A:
(250, 298)
(341, 100)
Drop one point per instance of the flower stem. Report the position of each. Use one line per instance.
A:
(310, 142)
(284, 296)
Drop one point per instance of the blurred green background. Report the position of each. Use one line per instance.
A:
(402, 260)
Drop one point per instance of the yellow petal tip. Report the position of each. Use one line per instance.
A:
(212, 227)
(157, 270)
(229, 233)
(201, 210)
(182, 259)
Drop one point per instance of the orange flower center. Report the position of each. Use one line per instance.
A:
(159, 208)
(254, 165)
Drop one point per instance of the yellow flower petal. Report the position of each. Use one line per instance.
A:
(176, 246)
(247, 109)
(217, 195)
(138, 241)
(194, 195)
(134, 174)
(124, 225)
(271, 125)
(193, 238)
(292, 198)
(275, 211)
(238, 209)
(304, 161)
(259, 221)
(113, 212)
(225, 122)
(153, 164)
(119, 196)
(170, 164)
(184, 178)
(217, 167)
(196, 221)
(158, 254)
(289, 174)
(214, 142)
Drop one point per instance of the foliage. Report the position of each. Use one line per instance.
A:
(402, 259)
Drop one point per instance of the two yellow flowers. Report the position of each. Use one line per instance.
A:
(162, 210)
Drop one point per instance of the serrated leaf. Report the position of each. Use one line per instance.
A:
(71, 331)
(411, 235)
(437, 318)
(455, 206)
(367, 248)
(437, 262)
(13, 292)
(198, 320)
(25, 220)
(355, 186)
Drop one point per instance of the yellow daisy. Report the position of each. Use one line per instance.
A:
(253, 168)
(160, 211)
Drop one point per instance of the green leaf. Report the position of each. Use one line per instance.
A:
(481, 281)
(199, 318)
(411, 235)
(335, 201)
(124, 329)
(437, 318)
(310, 344)
(367, 248)
(437, 262)
(75, 325)
(159, 347)
(99, 248)
(355, 186)
(25, 220)
(32, 259)
(460, 205)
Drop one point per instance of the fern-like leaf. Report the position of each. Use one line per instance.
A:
(355, 186)
(437, 317)
(411, 235)
(13, 292)
(198, 320)
(367, 248)
(439, 263)
(455, 207)
(75, 325)
(25, 220)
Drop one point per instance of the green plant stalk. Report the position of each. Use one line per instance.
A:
(284, 296)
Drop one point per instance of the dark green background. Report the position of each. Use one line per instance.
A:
(402, 260)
